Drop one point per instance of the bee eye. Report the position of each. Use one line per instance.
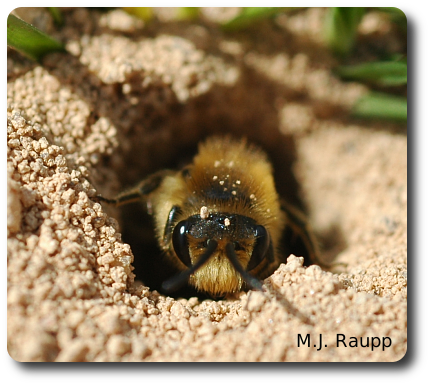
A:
(261, 247)
(180, 242)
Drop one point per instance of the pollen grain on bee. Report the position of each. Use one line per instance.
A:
(204, 212)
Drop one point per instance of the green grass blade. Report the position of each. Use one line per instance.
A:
(340, 28)
(251, 15)
(29, 40)
(56, 15)
(380, 73)
(381, 106)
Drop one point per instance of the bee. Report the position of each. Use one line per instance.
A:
(220, 220)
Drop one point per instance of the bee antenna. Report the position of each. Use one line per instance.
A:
(250, 280)
(179, 280)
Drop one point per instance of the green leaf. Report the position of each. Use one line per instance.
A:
(250, 15)
(340, 28)
(56, 15)
(29, 40)
(381, 106)
(393, 73)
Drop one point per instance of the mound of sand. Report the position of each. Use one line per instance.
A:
(129, 99)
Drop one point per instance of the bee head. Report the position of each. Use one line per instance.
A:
(219, 250)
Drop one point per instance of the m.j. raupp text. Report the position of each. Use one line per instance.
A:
(342, 341)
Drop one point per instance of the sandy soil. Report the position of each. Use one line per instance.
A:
(129, 99)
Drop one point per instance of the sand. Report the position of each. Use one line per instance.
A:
(130, 98)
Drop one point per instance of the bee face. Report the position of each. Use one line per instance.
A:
(226, 245)
(219, 221)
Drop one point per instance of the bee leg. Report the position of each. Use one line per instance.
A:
(138, 192)
(298, 237)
